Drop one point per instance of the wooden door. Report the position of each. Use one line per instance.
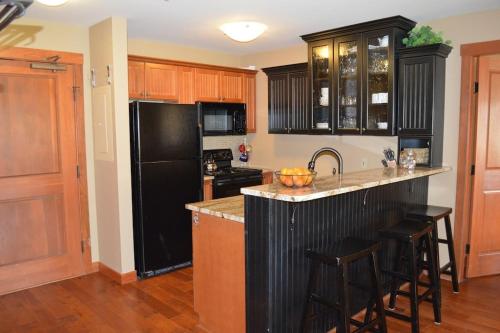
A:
(484, 257)
(40, 239)
(250, 99)
(161, 82)
(136, 86)
(231, 86)
(186, 85)
(207, 85)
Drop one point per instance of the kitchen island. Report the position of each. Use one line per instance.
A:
(280, 223)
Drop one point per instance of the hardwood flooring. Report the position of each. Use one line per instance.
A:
(94, 303)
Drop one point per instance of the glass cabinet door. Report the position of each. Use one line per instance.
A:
(348, 74)
(378, 116)
(321, 73)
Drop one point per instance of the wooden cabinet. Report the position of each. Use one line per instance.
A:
(136, 85)
(161, 82)
(353, 86)
(250, 100)
(207, 85)
(218, 255)
(267, 177)
(288, 99)
(186, 85)
(219, 86)
(207, 189)
(421, 101)
(231, 84)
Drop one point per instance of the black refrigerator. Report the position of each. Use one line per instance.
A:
(167, 173)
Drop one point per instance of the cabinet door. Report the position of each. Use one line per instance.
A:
(348, 69)
(278, 103)
(207, 85)
(378, 93)
(321, 68)
(186, 85)
(250, 100)
(136, 70)
(231, 87)
(161, 82)
(416, 80)
(298, 102)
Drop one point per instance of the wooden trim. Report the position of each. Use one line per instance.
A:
(189, 64)
(480, 49)
(466, 143)
(121, 278)
(82, 163)
(22, 53)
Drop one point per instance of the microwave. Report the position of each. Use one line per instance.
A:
(223, 118)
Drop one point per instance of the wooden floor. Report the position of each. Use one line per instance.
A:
(165, 304)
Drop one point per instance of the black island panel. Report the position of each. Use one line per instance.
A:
(277, 233)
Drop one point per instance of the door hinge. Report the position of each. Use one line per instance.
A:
(473, 169)
(467, 248)
(77, 171)
(476, 87)
(82, 243)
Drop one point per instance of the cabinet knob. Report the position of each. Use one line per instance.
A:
(363, 129)
(400, 128)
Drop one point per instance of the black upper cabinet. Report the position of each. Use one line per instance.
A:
(359, 94)
(288, 99)
(421, 89)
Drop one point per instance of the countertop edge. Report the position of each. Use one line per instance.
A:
(259, 191)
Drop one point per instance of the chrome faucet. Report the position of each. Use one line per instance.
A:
(325, 150)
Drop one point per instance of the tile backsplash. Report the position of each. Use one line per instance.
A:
(228, 141)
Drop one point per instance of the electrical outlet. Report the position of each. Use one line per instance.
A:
(364, 163)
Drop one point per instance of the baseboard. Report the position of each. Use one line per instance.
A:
(121, 278)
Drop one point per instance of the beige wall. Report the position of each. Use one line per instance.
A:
(171, 51)
(108, 47)
(54, 36)
(280, 150)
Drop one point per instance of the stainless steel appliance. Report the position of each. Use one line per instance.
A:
(223, 118)
(229, 180)
(167, 173)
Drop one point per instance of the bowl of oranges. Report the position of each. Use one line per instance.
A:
(295, 177)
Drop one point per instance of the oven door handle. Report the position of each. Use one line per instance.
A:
(237, 180)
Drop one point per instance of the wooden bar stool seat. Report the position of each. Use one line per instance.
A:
(435, 214)
(340, 255)
(410, 235)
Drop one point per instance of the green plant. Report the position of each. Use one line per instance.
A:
(423, 35)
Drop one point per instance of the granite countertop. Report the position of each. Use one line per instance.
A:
(231, 208)
(333, 185)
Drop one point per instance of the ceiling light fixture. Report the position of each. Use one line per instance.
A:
(52, 3)
(244, 31)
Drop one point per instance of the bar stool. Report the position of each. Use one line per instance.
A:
(434, 214)
(340, 255)
(413, 238)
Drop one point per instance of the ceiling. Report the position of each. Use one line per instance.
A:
(195, 22)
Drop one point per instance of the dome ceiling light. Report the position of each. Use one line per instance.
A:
(244, 31)
(52, 3)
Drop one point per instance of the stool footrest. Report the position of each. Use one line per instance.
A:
(362, 327)
(398, 315)
(445, 267)
(442, 241)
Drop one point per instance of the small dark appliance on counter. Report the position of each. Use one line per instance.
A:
(223, 118)
(228, 180)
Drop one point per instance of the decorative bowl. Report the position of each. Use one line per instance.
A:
(296, 179)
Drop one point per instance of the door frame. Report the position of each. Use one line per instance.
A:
(470, 54)
(76, 60)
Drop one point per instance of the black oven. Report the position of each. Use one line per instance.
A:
(223, 118)
(223, 188)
